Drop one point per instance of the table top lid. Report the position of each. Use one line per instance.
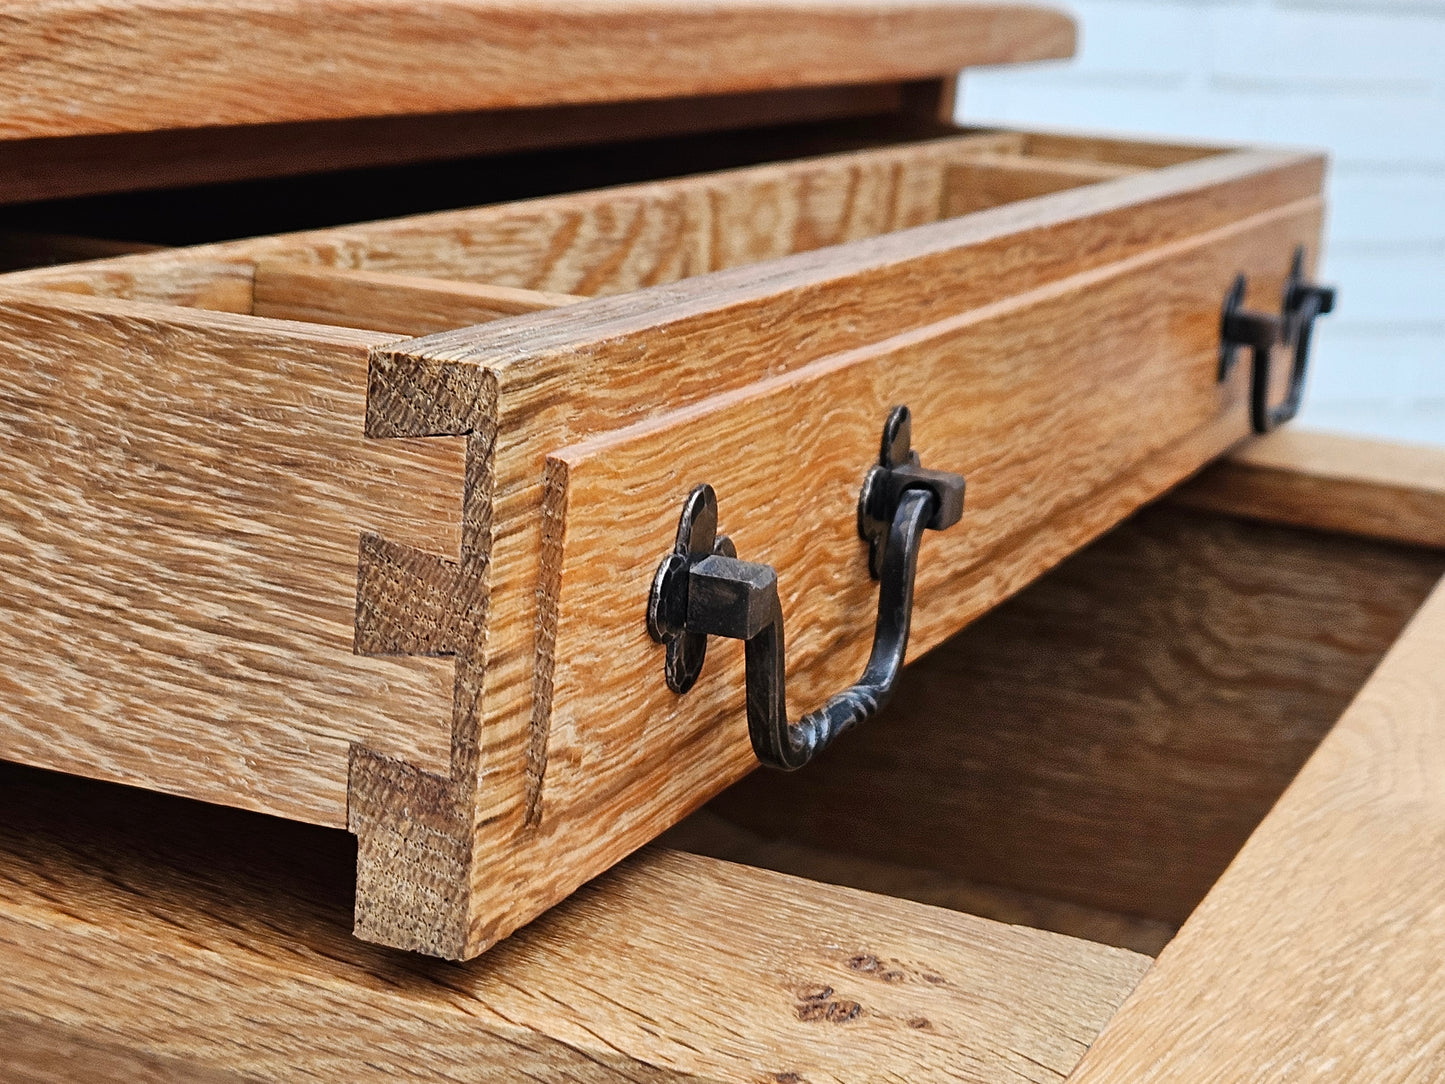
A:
(86, 67)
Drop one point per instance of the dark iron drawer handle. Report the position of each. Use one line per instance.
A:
(701, 589)
(1239, 327)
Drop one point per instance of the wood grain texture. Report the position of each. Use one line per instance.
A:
(454, 852)
(1079, 146)
(405, 304)
(176, 934)
(1317, 955)
(84, 67)
(43, 1052)
(697, 339)
(183, 493)
(993, 180)
(621, 239)
(593, 242)
(1336, 483)
(400, 610)
(1111, 735)
(81, 165)
(1043, 402)
(941, 267)
(195, 281)
(617, 240)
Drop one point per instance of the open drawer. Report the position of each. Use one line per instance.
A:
(359, 526)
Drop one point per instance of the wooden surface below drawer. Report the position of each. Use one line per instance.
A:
(1115, 733)
(1333, 482)
(146, 933)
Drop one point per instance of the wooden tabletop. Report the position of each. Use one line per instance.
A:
(83, 67)
(150, 938)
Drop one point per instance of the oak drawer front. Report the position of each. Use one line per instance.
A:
(352, 577)
(1055, 405)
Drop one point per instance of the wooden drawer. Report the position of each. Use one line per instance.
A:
(358, 526)
(1088, 758)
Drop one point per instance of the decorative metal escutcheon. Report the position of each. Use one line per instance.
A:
(1260, 332)
(701, 589)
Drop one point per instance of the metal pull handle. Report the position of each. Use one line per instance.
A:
(701, 589)
(1240, 327)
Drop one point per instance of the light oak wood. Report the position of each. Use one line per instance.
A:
(1331, 482)
(1111, 735)
(196, 280)
(512, 390)
(145, 930)
(1045, 401)
(86, 67)
(182, 497)
(995, 179)
(510, 386)
(42, 1052)
(405, 304)
(597, 242)
(1317, 955)
(456, 851)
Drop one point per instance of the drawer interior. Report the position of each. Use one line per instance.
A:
(205, 213)
(454, 268)
(1089, 756)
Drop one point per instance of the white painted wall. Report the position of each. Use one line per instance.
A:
(1363, 78)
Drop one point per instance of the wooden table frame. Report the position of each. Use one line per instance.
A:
(1317, 956)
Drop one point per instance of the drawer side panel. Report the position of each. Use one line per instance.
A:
(182, 499)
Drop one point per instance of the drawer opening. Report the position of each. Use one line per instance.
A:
(453, 269)
(1089, 756)
(417, 165)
